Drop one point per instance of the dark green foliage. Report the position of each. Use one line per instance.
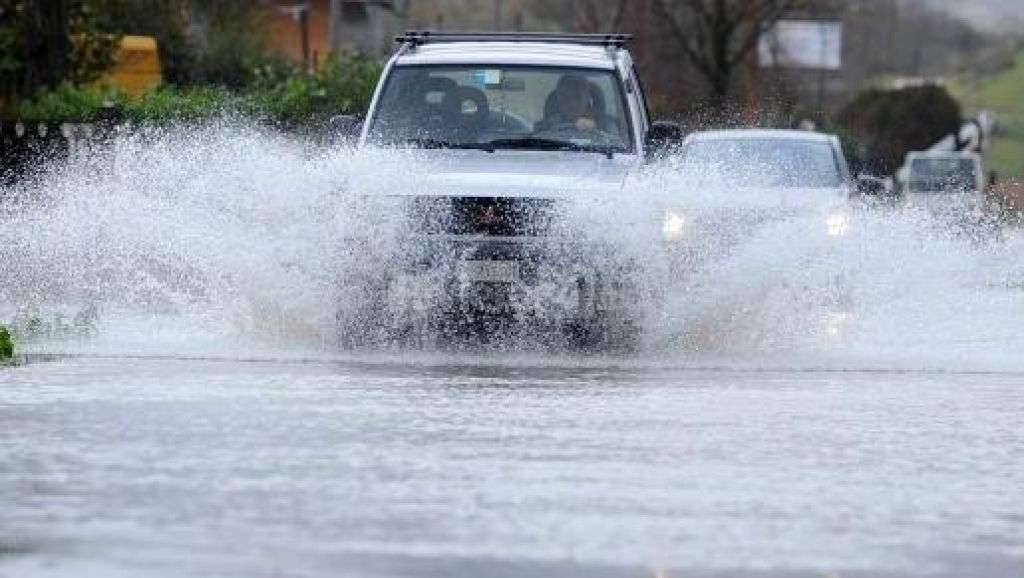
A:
(225, 47)
(887, 124)
(339, 86)
(234, 48)
(168, 104)
(66, 103)
(6, 345)
(278, 94)
(45, 43)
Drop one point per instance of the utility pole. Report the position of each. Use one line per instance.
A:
(50, 20)
(300, 14)
(333, 26)
(304, 26)
(822, 47)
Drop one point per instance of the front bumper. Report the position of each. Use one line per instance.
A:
(522, 277)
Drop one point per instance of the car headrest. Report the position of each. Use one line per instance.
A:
(434, 91)
(470, 101)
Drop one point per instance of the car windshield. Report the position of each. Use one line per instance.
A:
(763, 162)
(933, 175)
(527, 107)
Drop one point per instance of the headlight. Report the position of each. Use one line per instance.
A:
(838, 224)
(673, 228)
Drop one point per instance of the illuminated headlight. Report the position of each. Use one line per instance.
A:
(838, 224)
(673, 228)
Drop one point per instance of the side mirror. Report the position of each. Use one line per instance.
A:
(345, 127)
(876, 189)
(870, 186)
(661, 137)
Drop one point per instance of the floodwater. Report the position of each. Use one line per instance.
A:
(470, 467)
(184, 411)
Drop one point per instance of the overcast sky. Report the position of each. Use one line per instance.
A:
(998, 15)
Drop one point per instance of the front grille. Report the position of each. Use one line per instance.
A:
(492, 216)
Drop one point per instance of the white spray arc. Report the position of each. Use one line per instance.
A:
(229, 238)
(211, 229)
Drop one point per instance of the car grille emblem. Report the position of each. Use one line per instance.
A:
(488, 216)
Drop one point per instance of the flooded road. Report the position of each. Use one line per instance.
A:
(805, 404)
(472, 466)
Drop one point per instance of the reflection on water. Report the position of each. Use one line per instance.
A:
(152, 467)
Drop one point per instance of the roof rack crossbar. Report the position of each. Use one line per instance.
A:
(418, 37)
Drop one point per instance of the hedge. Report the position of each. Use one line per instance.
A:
(6, 345)
(339, 86)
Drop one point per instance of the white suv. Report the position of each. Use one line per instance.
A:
(512, 125)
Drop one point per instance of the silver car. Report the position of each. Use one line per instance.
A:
(740, 181)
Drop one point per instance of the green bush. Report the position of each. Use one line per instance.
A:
(338, 86)
(66, 103)
(278, 93)
(6, 345)
(167, 104)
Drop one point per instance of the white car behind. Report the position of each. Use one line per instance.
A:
(742, 180)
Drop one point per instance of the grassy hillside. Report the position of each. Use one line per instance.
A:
(1004, 94)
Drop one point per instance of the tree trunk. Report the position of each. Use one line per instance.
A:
(48, 46)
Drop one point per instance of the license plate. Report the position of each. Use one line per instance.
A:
(490, 271)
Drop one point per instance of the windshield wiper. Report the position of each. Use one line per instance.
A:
(549, 144)
(433, 143)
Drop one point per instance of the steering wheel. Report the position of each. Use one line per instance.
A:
(568, 128)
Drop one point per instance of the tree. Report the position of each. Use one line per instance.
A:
(718, 36)
(229, 45)
(46, 42)
(887, 124)
(600, 15)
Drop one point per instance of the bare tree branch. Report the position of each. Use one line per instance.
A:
(718, 36)
(620, 13)
(594, 16)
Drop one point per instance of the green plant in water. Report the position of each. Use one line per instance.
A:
(6, 345)
(66, 103)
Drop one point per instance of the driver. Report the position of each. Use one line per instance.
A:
(574, 103)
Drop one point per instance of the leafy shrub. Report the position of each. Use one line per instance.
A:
(339, 86)
(166, 104)
(279, 93)
(6, 344)
(66, 103)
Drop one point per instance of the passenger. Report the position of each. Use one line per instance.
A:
(573, 104)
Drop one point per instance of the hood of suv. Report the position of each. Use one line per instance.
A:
(473, 173)
(496, 194)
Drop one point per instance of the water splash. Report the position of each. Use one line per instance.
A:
(227, 237)
(225, 226)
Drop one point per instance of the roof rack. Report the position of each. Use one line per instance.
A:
(420, 37)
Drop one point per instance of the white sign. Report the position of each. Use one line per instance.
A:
(815, 44)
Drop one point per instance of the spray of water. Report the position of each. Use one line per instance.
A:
(228, 238)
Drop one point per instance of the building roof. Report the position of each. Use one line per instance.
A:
(511, 53)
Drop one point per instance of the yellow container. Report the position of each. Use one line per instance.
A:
(136, 67)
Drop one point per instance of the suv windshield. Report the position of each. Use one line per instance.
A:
(942, 174)
(767, 162)
(488, 107)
